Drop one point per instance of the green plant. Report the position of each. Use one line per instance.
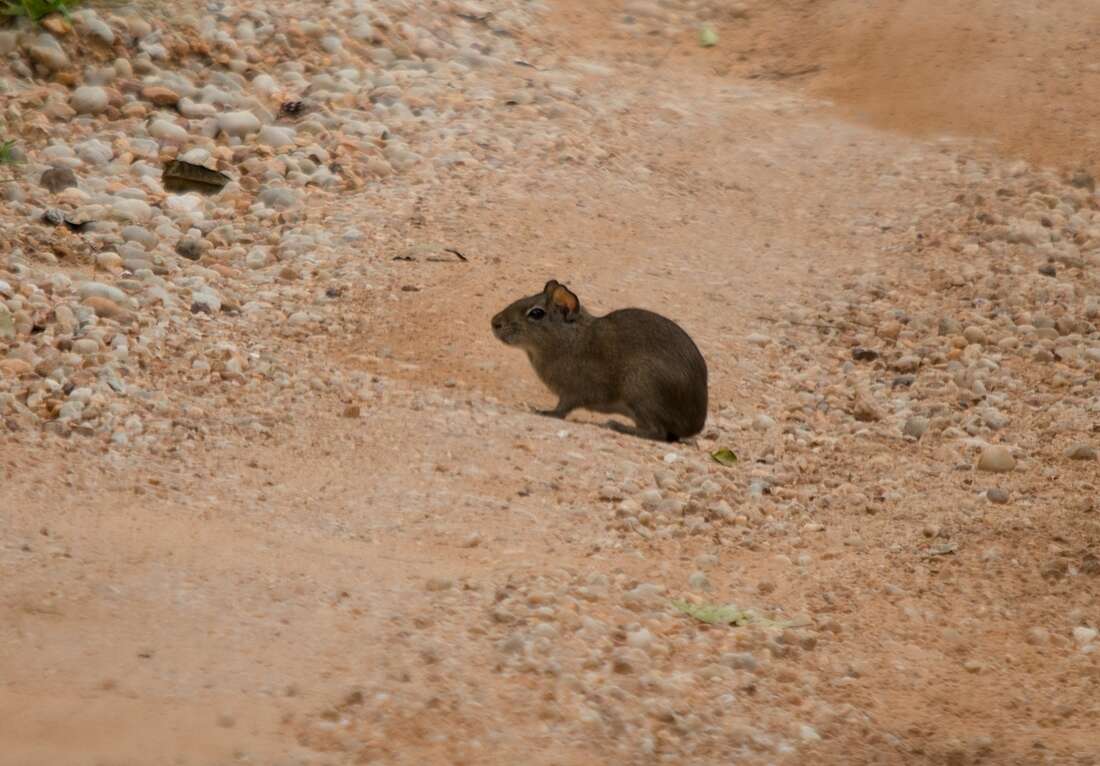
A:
(36, 10)
(7, 155)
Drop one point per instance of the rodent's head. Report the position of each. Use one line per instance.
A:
(534, 323)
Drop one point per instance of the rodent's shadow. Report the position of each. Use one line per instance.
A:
(616, 426)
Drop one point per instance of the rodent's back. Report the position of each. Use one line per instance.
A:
(658, 364)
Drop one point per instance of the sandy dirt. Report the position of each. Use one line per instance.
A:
(327, 595)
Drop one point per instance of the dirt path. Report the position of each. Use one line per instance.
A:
(427, 583)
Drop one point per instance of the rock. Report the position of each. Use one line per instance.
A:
(1081, 451)
(915, 426)
(436, 584)
(279, 198)
(997, 496)
(756, 339)
(86, 346)
(1083, 635)
(907, 363)
(238, 124)
(131, 210)
(996, 459)
(699, 581)
(189, 248)
(95, 152)
(47, 53)
(163, 130)
(100, 290)
(1037, 636)
(763, 422)
(105, 307)
(15, 368)
(57, 179)
(974, 335)
(864, 409)
(158, 95)
(276, 137)
(89, 99)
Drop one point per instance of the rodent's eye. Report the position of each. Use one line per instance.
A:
(536, 313)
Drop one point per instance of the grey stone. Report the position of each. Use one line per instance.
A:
(57, 179)
(89, 99)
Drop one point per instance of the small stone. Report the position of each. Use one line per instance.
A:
(997, 496)
(808, 733)
(699, 581)
(1048, 270)
(740, 661)
(436, 584)
(275, 136)
(57, 179)
(279, 198)
(1037, 636)
(915, 426)
(974, 334)
(163, 130)
(131, 210)
(15, 368)
(89, 99)
(352, 411)
(238, 124)
(100, 290)
(756, 339)
(907, 363)
(86, 346)
(160, 96)
(47, 53)
(105, 307)
(864, 409)
(996, 459)
(1081, 451)
(1083, 635)
(763, 422)
(189, 248)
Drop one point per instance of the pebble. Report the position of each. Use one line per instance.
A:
(131, 210)
(57, 179)
(763, 422)
(279, 198)
(238, 124)
(1081, 451)
(100, 290)
(996, 459)
(189, 248)
(275, 137)
(915, 426)
(164, 130)
(85, 346)
(997, 496)
(1083, 635)
(89, 99)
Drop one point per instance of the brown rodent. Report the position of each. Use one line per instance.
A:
(630, 362)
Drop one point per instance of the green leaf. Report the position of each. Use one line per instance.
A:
(715, 614)
(708, 38)
(725, 456)
(727, 614)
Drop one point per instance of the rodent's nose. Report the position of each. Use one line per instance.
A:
(498, 322)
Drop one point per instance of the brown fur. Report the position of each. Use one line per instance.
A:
(630, 362)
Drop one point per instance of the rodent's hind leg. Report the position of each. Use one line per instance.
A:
(561, 411)
(655, 434)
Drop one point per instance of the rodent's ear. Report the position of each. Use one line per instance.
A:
(565, 302)
(550, 287)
